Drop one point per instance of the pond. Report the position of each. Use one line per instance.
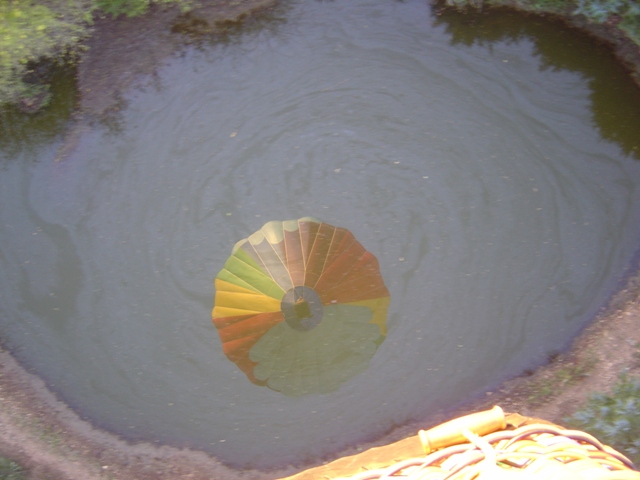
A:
(489, 162)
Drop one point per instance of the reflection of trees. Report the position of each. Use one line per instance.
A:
(20, 131)
(198, 29)
(106, 72)
(615, 99)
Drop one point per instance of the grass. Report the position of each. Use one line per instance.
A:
(10, 470)
(132, 8)
(614, 419)
(542, 389)
(627, 12)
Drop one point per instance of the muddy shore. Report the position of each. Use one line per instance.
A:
(53, 443)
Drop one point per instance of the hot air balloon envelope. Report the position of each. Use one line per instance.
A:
(300, 306)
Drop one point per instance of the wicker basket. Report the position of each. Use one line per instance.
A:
(536, 451)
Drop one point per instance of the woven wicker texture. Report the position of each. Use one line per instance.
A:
(535, 451)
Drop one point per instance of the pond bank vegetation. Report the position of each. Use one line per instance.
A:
(614, 22)
(37, 35)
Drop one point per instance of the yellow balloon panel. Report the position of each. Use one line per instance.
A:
(244, 301)
(379, 306)
(224, 286)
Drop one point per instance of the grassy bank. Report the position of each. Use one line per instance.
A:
(35, 35)
(10, 470)
(614, 418)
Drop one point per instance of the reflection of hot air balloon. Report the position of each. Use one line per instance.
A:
(300, 306)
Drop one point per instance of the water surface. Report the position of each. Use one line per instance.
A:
(488, 173)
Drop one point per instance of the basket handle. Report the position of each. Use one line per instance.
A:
(450, 433)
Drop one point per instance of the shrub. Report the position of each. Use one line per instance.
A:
(615, 419)
(625, 12)
(30, 32)
(599, 11)
(33, 31)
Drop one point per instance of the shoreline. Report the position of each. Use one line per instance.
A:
(53, 442)
(622, 47)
